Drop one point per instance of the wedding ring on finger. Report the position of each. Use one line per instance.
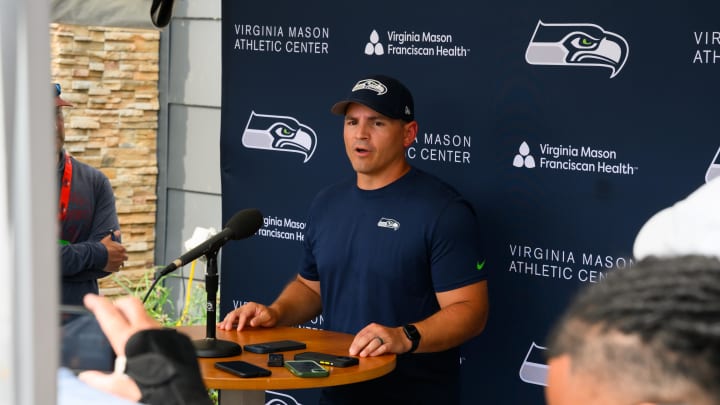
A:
(382, 342)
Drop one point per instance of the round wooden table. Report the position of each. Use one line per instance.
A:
(252, 390)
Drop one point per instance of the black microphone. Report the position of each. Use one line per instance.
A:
(161, 11)
(242, 225)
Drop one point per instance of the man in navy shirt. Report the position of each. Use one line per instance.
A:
(392, 255)
(89, 228)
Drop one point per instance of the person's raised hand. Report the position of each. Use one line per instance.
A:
(118, 321)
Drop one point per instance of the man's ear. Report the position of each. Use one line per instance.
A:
(411, 129)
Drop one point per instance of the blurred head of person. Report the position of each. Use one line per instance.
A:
(649, 334)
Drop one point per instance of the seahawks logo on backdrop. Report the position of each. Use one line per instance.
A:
(714, 169)
(279, 133)
(577, 45)
(279, 398)
(534, 368)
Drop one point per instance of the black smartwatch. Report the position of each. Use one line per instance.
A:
(412, 333)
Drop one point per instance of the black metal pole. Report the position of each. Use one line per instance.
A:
(211, 347)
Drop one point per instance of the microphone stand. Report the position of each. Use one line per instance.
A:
(211, 347)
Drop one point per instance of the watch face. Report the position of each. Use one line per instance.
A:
(411, 332)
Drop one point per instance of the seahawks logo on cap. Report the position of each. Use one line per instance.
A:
(370, 84)
(577, 45)
(279, 133)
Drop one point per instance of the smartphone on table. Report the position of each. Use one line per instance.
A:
(243, 369)
(274, 346)
(306, 368)
(328, 359)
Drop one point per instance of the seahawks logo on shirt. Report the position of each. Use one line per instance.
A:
(388, 223)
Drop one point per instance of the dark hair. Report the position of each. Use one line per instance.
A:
(671, 305)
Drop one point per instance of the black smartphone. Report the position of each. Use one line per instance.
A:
(243, 369)
(328, 359)
(84, 346)
(274, 346)
(306, 368)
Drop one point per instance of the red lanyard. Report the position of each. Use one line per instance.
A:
(65, 188)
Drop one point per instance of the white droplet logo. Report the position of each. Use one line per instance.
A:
(374, 47)
(524, 158)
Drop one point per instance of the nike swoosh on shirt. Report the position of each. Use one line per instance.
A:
(479, 265)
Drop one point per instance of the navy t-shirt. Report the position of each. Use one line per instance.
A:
(381, 255)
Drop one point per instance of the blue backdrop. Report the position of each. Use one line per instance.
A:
(566, 124)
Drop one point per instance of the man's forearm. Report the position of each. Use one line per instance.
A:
(463, 315)
(449, 327)
(298, 303)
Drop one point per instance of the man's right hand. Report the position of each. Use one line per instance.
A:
(118, 321)
(116, 254)
(252, 314)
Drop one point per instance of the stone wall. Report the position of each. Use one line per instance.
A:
(111, 77)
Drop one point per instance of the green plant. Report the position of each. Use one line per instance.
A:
(159, 304)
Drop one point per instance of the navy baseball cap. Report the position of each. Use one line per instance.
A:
(383, 94)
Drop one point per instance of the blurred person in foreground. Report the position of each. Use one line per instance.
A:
(690, 226)
(154, 365)
(649, 334)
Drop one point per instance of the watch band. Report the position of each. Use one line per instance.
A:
(412, 333)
